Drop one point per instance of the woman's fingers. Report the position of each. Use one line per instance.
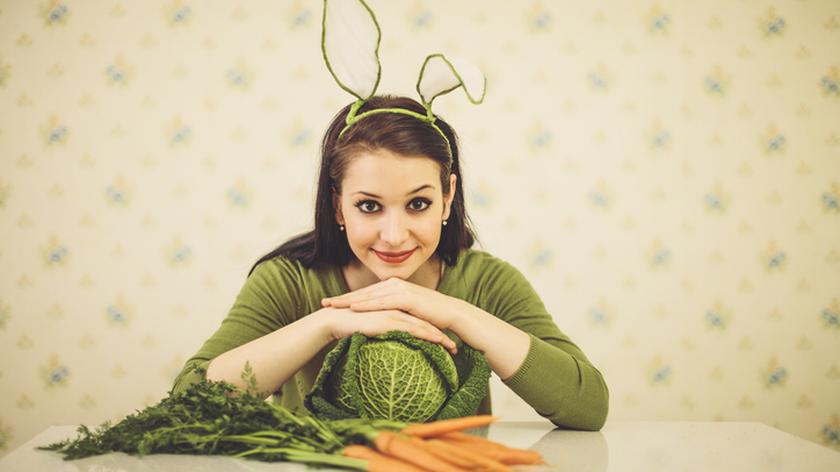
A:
(423, 329)
(398, 303)
(391, 302)
(376, 290)
(361, 294)
(374, 323)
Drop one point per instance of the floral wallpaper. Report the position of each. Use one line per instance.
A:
(666, 173)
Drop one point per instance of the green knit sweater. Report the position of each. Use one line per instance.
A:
(556, 378)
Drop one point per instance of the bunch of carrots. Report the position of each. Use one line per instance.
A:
(440, 446)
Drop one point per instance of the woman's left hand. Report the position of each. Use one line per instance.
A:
(397, 294)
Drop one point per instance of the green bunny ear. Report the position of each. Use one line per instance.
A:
(350, 39)
(442, 74)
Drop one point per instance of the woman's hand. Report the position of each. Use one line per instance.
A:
(396, 294)
(344, 322)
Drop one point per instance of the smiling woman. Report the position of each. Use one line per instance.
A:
(392, 251)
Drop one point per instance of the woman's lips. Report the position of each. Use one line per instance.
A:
(394, 257)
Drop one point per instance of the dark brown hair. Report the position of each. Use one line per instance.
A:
(399, 134)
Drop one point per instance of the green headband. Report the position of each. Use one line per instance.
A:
(350, 37)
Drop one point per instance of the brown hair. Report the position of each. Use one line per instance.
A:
(399, 134)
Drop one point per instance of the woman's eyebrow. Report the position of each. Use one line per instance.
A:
(409, 193)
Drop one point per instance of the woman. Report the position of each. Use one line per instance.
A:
(391, 250)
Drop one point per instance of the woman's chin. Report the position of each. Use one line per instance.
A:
(390, 272)
(384, 270)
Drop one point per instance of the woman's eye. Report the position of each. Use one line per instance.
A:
(370, 206)
(423, 204)
(367, 206)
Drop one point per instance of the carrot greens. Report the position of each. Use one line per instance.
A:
(217, 418)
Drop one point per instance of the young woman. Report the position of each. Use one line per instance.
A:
(391, 250)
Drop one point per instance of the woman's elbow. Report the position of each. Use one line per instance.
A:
(590, 413)
(598, 416)
(600, 408)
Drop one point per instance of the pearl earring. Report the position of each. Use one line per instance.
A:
(444, 222)
(341, 227)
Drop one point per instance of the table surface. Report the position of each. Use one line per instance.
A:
(620, 446)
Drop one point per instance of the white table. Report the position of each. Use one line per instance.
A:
(620, 446)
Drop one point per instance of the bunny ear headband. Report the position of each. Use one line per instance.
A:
(350, 39)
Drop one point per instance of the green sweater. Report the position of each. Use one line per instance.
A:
(556, 378)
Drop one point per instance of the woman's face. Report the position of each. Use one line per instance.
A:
(392, 204)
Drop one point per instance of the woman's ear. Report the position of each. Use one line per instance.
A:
(447, 199)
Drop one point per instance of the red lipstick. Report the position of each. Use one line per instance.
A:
(394, 257)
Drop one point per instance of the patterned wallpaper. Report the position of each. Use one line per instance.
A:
(666, 173)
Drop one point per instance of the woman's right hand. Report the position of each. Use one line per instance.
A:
(344, 322)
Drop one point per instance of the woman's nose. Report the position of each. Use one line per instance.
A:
(394, 230)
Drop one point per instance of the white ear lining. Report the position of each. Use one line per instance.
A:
(350, 45)
(441, 74)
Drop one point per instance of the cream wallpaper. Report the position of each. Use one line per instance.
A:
(666, 173)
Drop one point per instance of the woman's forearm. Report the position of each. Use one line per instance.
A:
(275, 357)
(504, 346)
(564, 388)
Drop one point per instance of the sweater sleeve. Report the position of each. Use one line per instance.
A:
(555, 378)
(266, 302)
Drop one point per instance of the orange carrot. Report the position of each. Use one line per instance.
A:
(520, 456)
(511, 455)
(472, 440)
(378, 462)
(436, 428)
(498, 452)
(479, 460)
(466, 437)
(455, 459)
(393, 445)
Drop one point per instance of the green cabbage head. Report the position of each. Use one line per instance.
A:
(398, 377)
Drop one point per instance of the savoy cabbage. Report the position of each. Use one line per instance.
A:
(396, 376)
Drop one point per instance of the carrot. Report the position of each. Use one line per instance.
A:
(436, 428)
(378, 462)
(509, 454)
(479, 461)
(498, 452)
(466, 437)
(469, 439)
(520, 456)
(393, 445)
(455, 459)
(472, 439)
